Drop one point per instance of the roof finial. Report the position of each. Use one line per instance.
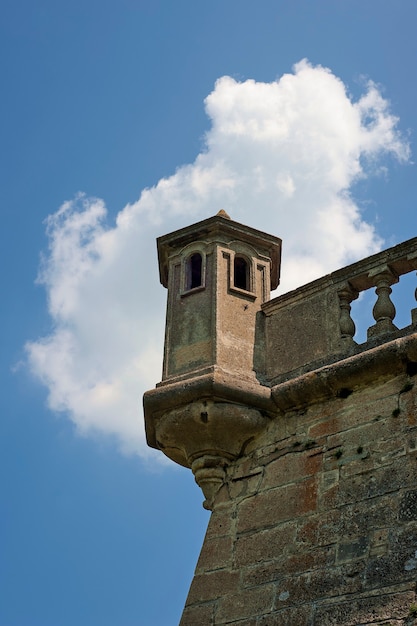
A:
(222, 213)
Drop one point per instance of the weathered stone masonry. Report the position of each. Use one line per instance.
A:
(307, 458)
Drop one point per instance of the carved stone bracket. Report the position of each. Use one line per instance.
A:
(206, 423)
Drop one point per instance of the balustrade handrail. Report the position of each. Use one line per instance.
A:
(400, 259)
(379, 271)
(359, 276)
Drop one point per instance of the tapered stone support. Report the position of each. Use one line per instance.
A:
(384, 309)
(347, 325)
(209, 473)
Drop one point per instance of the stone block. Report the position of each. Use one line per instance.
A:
(360, 408)
(293, 466)
(202, 614)
(293, 590)
(365, 610)
(277, 505)
(369, 434)
(245, 485)
(307, 531)
(252, 621)
(352, 550)
(337, 581)
(245, 604)
(408, 506)
(319, 313)
(216, 553)
(377, 482)
(263, 572)
(379, 542)
(264, 545)
(325, 427)
(328, 527)
(220, 522)
(246, 466)
(408, 407)
(359, 519)
(212, 585)
(291, 616)
(308, 560)
(380, 390)
(399, 565)
(328, 498)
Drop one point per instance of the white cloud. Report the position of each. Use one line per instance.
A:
(279, 156)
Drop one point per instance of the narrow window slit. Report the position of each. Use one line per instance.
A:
(195, 264)
(241, 273)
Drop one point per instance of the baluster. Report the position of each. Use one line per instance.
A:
(384, 309)
(347, 325)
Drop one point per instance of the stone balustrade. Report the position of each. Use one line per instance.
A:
(312, 326)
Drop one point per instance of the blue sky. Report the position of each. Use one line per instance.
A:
(110, 99)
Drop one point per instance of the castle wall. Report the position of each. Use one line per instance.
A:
(317, 524)
(303, 441)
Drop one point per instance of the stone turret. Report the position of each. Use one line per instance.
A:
(303, 440)
(211, 403)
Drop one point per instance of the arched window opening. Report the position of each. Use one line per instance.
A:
(194, 273)
(241, 273)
